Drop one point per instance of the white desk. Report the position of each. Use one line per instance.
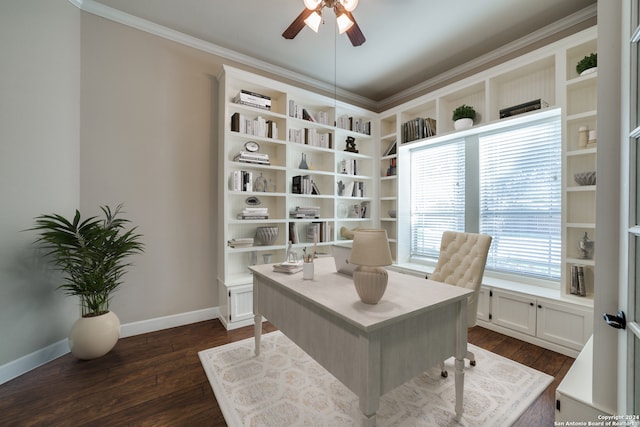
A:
(370, 348)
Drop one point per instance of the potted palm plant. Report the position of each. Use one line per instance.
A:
(463, 117)
(92, 255)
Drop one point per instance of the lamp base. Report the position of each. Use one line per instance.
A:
(371, 283)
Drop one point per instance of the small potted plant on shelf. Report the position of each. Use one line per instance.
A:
(587, 65)
(91, 254)
(463, 117)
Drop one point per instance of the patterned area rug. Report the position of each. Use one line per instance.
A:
(286, 387)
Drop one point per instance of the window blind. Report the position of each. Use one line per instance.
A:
(437, 195)
(520, 198)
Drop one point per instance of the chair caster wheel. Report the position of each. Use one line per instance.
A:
(444, 374)
(472, 362)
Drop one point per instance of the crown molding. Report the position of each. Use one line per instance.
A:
(103, 11)
(95, 8)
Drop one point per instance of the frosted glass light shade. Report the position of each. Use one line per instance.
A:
(312, 4)
(313, 21)
(349, 5)
(370, 248)
(344, 23)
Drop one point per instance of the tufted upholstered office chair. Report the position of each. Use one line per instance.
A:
(462, 259)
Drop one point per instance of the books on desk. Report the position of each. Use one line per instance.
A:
(288, 267)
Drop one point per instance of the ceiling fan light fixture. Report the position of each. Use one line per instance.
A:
(349, 5)
(312, 4)
(313, 21)
(344, 23)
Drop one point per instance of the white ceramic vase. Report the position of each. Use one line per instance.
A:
(462, 124)
(93, 337)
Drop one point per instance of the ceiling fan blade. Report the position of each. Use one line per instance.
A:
(297, 25)
(355, 34)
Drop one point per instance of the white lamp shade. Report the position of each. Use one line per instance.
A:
(344, 23)
(313, 21)
(349, 5)
(370, 248)
(312, 4)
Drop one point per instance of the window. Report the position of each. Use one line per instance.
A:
(503, 181)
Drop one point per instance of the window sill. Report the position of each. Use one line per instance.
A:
(537, 291)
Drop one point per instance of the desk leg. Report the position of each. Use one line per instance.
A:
(368, 356)
(257, 332)
(461, 351)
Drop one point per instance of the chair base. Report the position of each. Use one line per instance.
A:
(469, 355)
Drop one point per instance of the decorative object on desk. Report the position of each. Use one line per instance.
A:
(583, 136)
(585, 178)
(463, 117)
(307, 270)
(351, 145)
(496, 392)
(266, 236)
(303, 162)
(370, 252)
(92, 256)
(260, 185)
(585, 246)
(587, 65)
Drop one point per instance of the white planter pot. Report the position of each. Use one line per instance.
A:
(93, 337)
(462, 124)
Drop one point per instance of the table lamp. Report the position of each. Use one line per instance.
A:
(370, 252)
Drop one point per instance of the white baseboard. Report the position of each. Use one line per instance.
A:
(20, 366)
(159, 323)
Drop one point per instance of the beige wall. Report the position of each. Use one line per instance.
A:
(39, 163)
(148, 139)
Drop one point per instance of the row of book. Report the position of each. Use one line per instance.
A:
(354, 124)
(299, 112)
(351, 189)
(248, 157)
(253, 99)
(305, 212)
(578, 286)
(303, 184)
(349, 167)
(240, 180)
(258, 126)
(418, 128)
(315, 232)
(311, 137)
(254, 213)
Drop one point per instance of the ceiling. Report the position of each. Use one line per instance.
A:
(408, 41)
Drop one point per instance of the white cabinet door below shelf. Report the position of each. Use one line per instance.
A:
(241, 302)
(514, 311)
(562, 324)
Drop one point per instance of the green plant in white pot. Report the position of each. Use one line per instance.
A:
(463, 117)
(92, 256)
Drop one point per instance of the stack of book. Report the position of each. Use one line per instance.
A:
(578, 286)
(241, 181)
(247, 157)
(288, 267)
(314, 138)
(305, 212)
(241, 243)
(418, 129)
(319, 232)
(253, 99)
(254, 213)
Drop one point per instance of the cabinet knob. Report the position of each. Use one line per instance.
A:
(539, 306)
(531, 304)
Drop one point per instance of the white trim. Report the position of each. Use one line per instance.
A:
(24, 364)
(91, 6)
(166, 322)
(17, 367)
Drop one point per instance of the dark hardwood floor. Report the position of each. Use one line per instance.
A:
(156, 379)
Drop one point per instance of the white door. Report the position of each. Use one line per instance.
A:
(629, 374)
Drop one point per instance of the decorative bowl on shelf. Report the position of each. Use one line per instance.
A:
(585, 178)
(266, 236)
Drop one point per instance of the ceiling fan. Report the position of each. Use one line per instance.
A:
(312, 17)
